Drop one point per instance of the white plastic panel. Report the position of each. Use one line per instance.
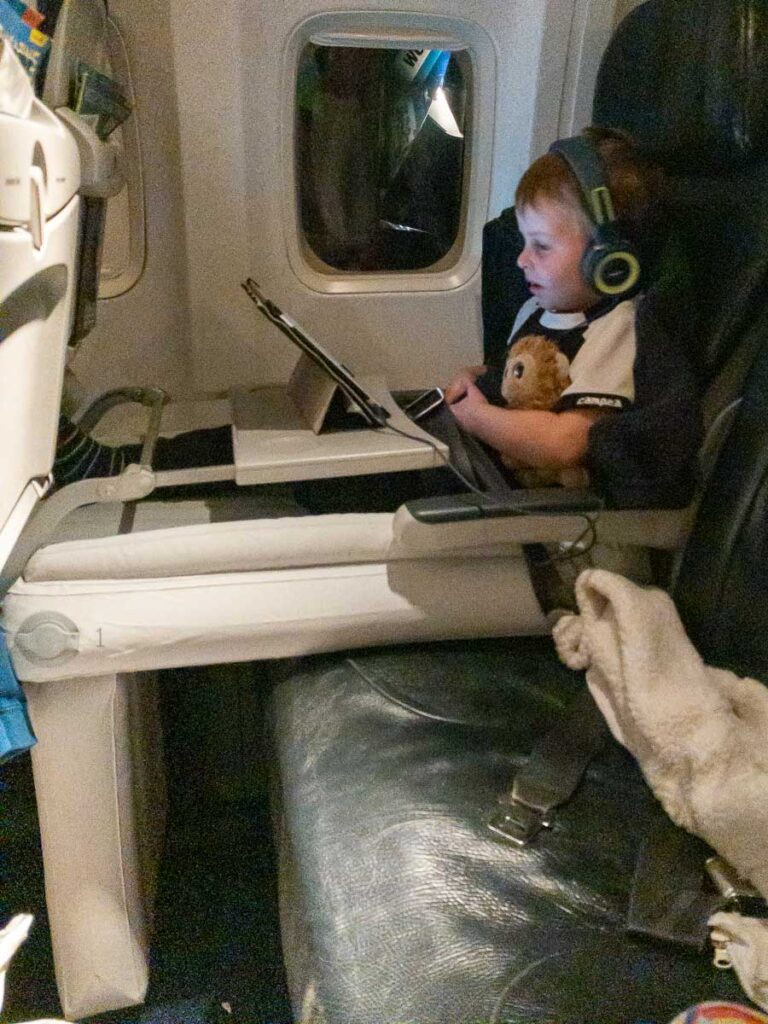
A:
(37, 284)
(124, 235)
(141, 335)
(210, 108)
(80, 35)
(593, 23)
(39, 178)
(126, 625)
(39, 167)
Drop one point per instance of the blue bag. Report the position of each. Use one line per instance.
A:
(16, 734)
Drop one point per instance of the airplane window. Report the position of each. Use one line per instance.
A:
(380, 142)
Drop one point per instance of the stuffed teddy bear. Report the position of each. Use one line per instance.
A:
(535, 375)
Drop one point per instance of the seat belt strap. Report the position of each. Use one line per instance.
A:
(679, 883)
(669, 899)
(552, 773)
(442, 424)
(468, 455)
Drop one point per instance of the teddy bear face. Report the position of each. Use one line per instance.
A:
(535, 374)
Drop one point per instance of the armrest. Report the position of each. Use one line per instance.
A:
(134, 483)
(538, 517)
(454, 508)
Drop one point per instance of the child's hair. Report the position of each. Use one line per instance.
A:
(637, 185)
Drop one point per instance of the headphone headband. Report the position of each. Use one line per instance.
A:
(583, 159)
(609, 265)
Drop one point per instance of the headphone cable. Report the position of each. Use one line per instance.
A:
(576, 548)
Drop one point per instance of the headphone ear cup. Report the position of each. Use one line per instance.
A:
(610, 265)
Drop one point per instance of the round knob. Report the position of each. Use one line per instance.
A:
(47, 637)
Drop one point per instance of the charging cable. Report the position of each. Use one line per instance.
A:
(577, 548)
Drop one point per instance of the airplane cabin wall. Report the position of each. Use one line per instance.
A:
(142, 336)
(214, 101)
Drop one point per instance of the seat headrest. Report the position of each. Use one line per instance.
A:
(690, 82)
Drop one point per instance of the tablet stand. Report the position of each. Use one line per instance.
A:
(324, 423)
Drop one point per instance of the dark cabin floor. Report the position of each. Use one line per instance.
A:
(216, 954)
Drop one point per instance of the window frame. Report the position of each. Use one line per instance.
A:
(401, 30)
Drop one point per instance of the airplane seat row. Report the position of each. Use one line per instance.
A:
(398, 903)
(103, 589)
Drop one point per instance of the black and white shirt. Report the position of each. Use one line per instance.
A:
(600, 347)
(624, 357)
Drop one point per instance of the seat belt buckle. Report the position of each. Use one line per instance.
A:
(518, 823)
(738, 894)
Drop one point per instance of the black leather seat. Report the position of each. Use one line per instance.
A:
(397, 903)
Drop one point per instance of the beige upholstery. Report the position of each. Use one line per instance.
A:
(252, 587)
(254, 545)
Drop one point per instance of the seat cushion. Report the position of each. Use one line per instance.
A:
(246, 575)
(399, 904)
(210, 547)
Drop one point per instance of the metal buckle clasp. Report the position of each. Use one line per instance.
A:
(738, 893)
(518, 823)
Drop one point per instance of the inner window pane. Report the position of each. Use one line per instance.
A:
(380, 155)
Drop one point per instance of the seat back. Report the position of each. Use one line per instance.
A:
(696, 103)
(722, 587)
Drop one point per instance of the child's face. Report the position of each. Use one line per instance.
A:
(555, 238)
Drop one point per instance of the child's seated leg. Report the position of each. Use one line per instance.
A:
(79, 456)
(374, 492)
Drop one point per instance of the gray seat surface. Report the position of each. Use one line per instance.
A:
(410, 909)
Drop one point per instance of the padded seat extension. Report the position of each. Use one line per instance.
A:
(247, 576)
(396, 902)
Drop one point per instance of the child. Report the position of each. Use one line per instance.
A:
(597, 333)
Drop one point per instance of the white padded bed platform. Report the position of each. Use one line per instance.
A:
(249, 576)
(99, 611)
(210, 592)
(132, 625)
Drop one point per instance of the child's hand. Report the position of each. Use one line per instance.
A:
(457, 389)
(467, 407)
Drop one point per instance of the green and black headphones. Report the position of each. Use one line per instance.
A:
(610, 264)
